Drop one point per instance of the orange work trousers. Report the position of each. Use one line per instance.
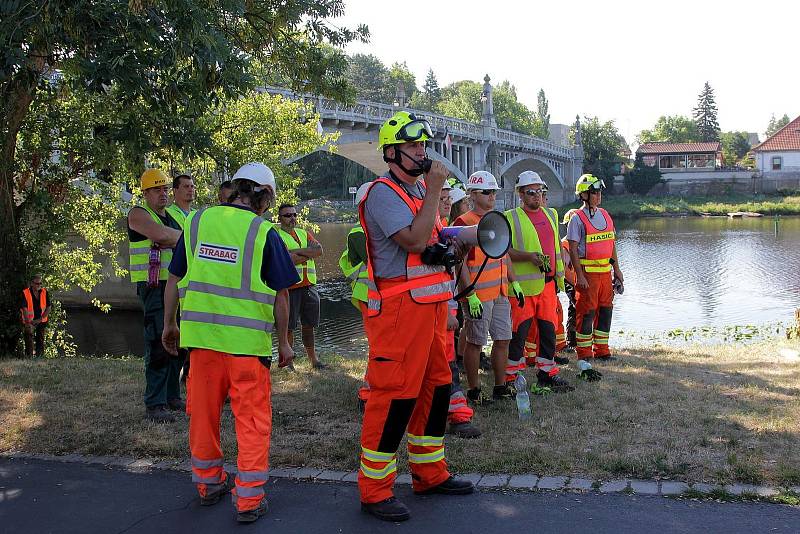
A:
(409, 381)
(534, 333)
(593, 310)
(213, 376)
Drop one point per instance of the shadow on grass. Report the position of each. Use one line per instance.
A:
(710, 414)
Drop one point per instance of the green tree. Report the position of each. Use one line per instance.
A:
(542, 118)
(775, 125)
(642, 178)
(671, 129)
(462, 100)
(428, 99)
(602, 144)
(705, 115)
(399, 73)
(735, 146)
(370, 78)
(161, 65)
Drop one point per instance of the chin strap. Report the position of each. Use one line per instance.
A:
(398, 160)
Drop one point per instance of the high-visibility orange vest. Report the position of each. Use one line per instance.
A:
(599, 244)
(493, 281)
(569, 271)
(27, 315)
(426, 283)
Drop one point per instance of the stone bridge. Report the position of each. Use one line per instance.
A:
(475, 147)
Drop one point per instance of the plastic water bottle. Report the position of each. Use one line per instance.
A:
(154, 270)
(523, 399)
(583, 365)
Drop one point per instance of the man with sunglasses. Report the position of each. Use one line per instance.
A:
(303, 296)
(593, 251)
(486, 308)
(405, 323)
(536, 253)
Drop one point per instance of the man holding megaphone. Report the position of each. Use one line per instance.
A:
(485, 280)
(405, 323)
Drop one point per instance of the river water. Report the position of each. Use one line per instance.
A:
(684, 278)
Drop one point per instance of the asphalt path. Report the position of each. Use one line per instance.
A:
(43, 496)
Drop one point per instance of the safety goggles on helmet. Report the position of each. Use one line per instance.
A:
(598, 185)
(414, 130)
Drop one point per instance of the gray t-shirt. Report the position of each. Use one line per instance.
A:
(385, 214)
(577, 232)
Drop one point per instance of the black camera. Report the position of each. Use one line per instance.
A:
(439, 254)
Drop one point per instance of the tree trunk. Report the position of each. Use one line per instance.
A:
(12, 254)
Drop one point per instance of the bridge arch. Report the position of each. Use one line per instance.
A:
(527, 162)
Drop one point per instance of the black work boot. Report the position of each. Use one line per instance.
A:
(465, 430)
(451, 486)
(159, 414)
(475, 397)
(561, 360)
(503, 392)
(555, 383)
(213, 497)
(249, 516)
(387, 510)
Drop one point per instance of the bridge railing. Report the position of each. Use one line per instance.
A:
(376, 113)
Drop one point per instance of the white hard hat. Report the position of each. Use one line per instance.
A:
(482, 180)
(258, 173)
(362, 192)
(457, 194)
(530, 178)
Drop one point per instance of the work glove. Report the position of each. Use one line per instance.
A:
(475, 306)
(516, 290)
(545, 259)
(590, 375)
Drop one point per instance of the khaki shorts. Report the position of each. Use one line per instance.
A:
(496, 320)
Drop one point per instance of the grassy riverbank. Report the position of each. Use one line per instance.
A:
(633, 206)
(715, 414)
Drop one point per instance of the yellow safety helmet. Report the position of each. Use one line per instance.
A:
(153, 178)
(587, 182)
(402, 128)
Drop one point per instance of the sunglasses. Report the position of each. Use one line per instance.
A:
(289, 215)
(487, 192)
(534, 192)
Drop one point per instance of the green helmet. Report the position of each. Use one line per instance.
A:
(402, 128)
(587, 182)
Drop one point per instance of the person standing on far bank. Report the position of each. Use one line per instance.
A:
(303, 297)
(34, 313)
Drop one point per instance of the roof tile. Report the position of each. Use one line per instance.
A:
(680, 148)
(787, 138)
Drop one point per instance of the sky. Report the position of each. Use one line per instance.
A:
(627, 61)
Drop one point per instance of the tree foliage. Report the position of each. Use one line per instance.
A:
(705, 115)
(370, 77)
(431, 95)
(542, 119)
(602, 144)
(642, 178)
(735, 147)
(775, 125)
(671, 129)
(89, 89)
(462, 100)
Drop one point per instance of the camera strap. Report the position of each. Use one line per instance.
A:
(472, 284)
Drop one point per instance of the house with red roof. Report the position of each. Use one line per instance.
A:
(779, 155)
(681, 157)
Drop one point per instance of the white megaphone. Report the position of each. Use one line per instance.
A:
(492, 234)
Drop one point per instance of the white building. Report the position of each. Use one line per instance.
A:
(778, 157)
